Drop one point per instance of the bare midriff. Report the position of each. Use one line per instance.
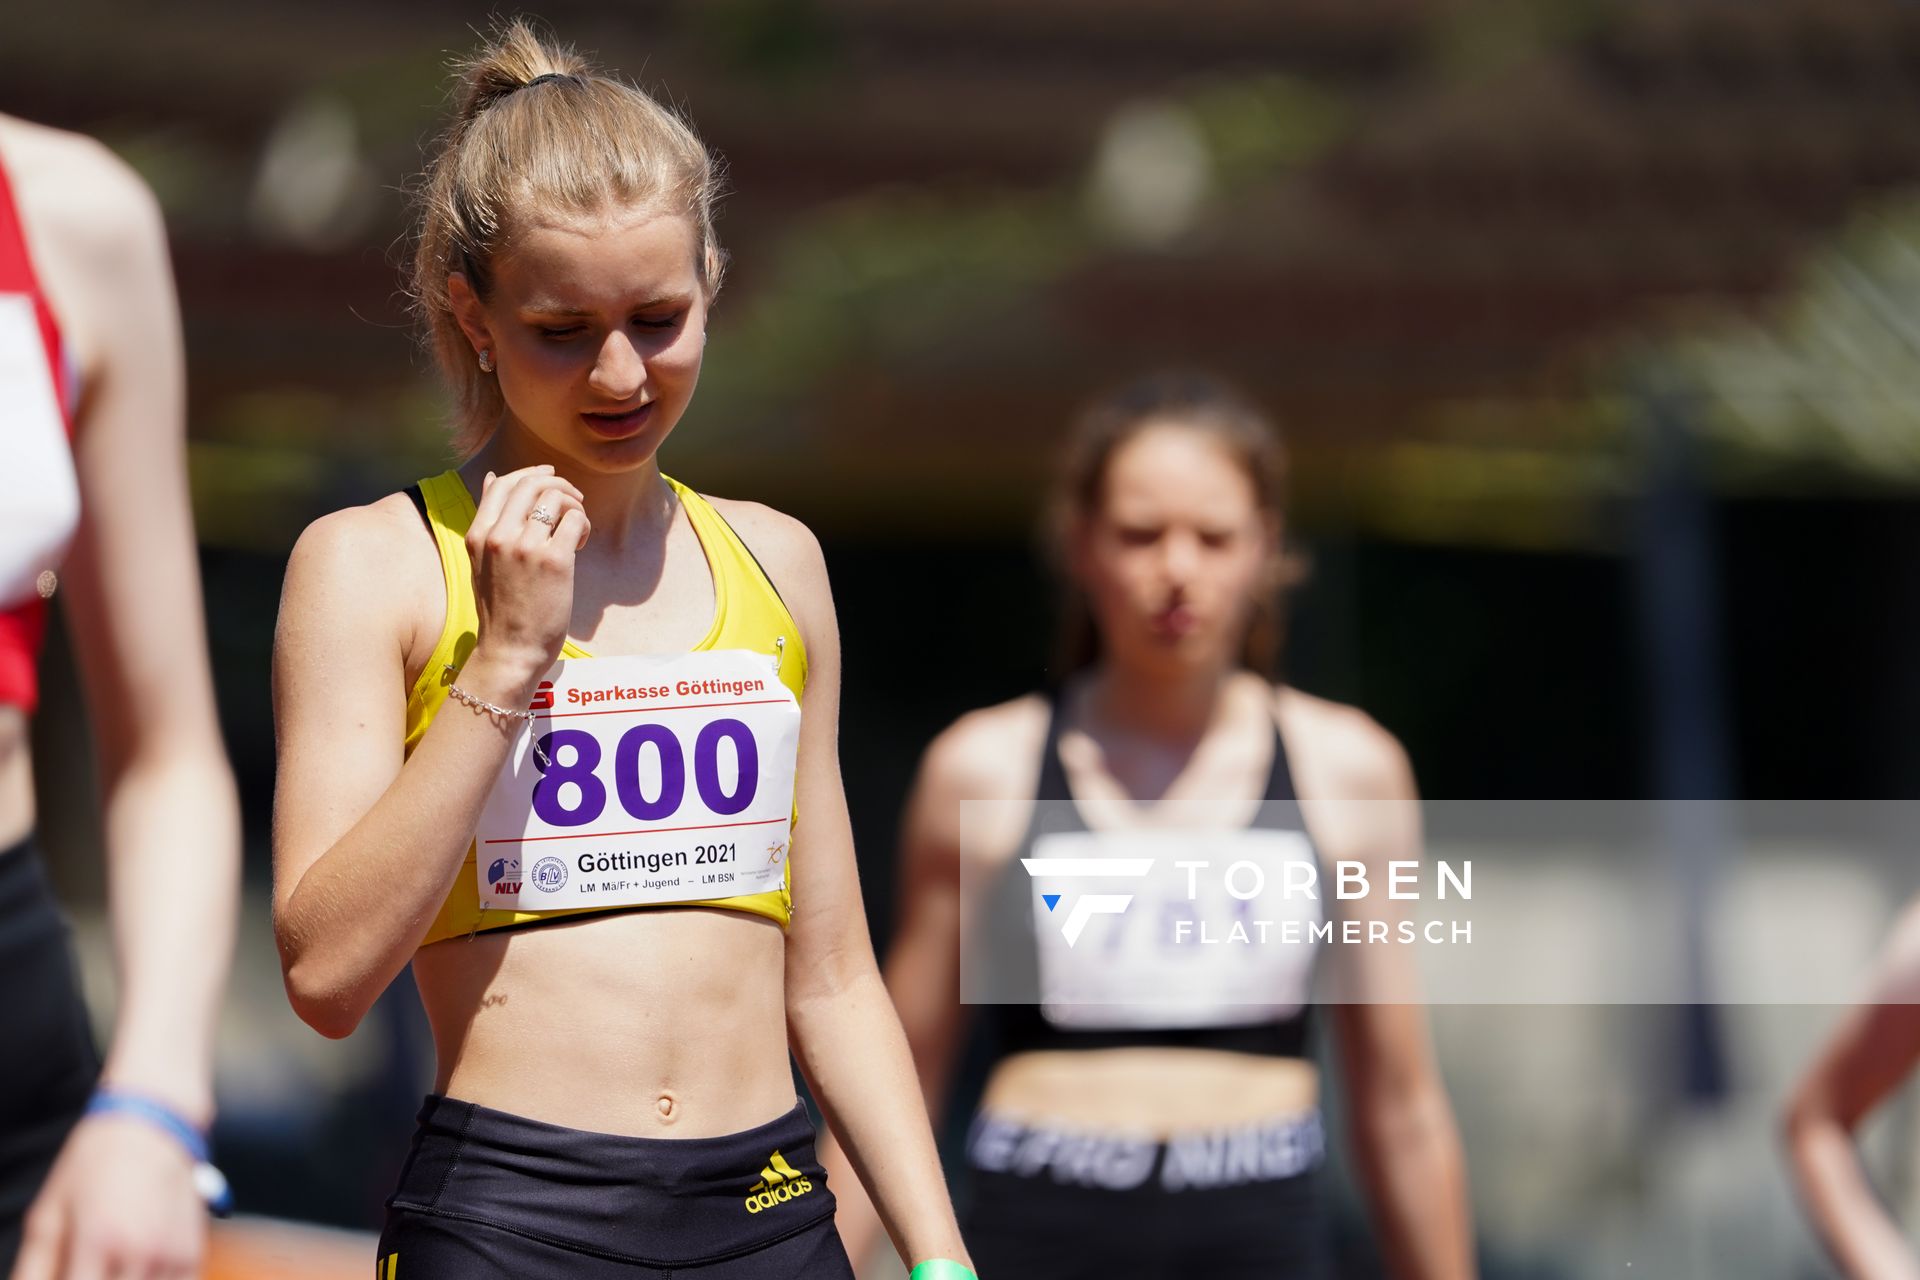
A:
(658, 1023)
(1155, 1092)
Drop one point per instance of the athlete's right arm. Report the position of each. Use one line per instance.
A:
(968, 761)
(366, 847)
(1867, 1058)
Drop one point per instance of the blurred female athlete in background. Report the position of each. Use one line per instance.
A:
(93, 492)
(1179, 1138)
(614, 1095)
(1867, 1058)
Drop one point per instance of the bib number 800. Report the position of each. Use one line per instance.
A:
(592, 799)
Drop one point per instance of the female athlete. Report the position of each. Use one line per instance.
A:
(1122, 1135)
(624, 879)
(94, 496)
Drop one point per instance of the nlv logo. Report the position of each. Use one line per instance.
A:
(1087, 906)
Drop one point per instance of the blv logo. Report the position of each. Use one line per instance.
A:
(1086, 906)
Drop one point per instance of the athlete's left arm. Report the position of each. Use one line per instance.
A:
(842, 1026)
(121, 1195)
(1405, 1142)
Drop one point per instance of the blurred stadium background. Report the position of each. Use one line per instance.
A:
(1592, 326)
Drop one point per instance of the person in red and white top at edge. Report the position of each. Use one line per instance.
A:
(103, 1168)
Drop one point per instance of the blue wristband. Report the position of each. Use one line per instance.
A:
(941, 1269)
(107, 1101)
(208, 1182)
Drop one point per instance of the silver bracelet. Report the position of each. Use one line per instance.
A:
(458, 694)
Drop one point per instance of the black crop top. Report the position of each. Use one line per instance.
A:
(1024, 1027)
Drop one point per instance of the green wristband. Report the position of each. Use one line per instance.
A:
(941, 1269)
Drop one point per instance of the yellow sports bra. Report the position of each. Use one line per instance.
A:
(747, 614)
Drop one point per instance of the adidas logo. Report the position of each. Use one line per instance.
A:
(778, 1181)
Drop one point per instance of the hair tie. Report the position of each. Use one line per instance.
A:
(551, 75)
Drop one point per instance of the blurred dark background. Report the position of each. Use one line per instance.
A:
(1591, 326)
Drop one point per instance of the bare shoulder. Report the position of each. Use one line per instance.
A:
(989, 758)
(784, 546)
(364, 533)
(376, 560)
(98, 240)
(989, 754)
(74, 191)
(792, 559)
(1346, 750)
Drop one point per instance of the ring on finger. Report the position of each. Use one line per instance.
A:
(543, 515)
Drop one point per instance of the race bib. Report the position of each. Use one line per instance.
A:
(1182, 951)
(644, 780)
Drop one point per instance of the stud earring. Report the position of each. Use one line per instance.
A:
(486, 361)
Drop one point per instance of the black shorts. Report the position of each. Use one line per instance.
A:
(47, 1077)
(1236, 1204)
(487, 1194)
